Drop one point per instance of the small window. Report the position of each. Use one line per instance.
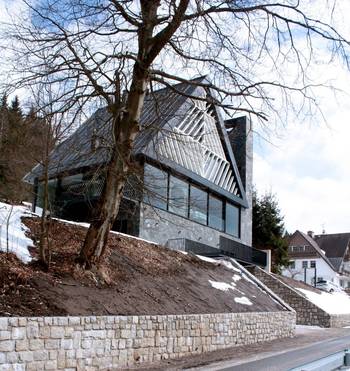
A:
(304, 264)
(178, 196)
(292, 264)
(198, 205)
(155, 187)
(216, 219)
(312, 264)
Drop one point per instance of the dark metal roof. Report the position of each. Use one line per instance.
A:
(336, 262)
(333, 244)
(160, 107)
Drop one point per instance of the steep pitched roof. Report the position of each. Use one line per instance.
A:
(314, 244)
(334, 245)
(163, 109)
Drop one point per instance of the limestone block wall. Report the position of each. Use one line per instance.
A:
(307, 312)
(111, 342)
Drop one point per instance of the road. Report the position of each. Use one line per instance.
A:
(286, 360)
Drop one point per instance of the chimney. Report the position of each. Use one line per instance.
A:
(240, 134)
(311, 234)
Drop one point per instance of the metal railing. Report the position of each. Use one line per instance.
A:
(228, 247)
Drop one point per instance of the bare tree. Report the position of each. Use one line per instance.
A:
(113, 51)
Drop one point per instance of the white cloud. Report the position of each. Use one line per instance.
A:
(308, 167)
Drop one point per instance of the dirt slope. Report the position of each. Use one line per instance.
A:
(136, 278)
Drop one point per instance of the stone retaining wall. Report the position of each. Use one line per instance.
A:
(307, 312)
(109, 342)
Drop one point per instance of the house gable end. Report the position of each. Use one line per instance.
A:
(194, 142)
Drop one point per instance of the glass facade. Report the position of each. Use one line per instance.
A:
(178, 196)
(198, 205)
(155, 187)
(232, 220)
(168, 192)
(215, 215)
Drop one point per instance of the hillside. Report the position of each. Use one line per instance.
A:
(136, 277)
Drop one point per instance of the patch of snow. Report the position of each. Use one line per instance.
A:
(243, 300)
(332, 303)
(13, 238)
(236, 277)
(87, 225)
(223, 286)
(206, 259)
(229, 265)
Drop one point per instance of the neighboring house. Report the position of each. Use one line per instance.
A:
(337, 249)
(191, 188)
(310, 262)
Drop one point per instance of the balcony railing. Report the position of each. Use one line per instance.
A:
(228, 247)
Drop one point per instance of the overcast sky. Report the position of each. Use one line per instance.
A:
(307, 162)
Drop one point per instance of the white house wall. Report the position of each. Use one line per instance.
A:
(323, 270)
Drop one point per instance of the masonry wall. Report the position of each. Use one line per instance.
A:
(110, 342)
(307, 312)
(160, 226)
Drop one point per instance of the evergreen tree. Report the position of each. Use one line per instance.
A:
(268, 229)
(22, 143)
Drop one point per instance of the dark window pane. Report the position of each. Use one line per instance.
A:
(232, 220)
(52, 185)
(198, 205)
(155, 187)
(178, 196)
(215, 213)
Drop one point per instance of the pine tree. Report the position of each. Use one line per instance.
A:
(268, 229)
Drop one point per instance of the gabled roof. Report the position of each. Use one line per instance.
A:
(334, 245)
(161, 107)
(311, 242)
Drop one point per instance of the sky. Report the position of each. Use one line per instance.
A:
(305, 162)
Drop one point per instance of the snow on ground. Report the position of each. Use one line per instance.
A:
(243, 300)
(206, 259)
(332, 303)
(87, 225)
(223, 286)
(12, 231)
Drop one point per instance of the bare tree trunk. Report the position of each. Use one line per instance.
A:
(44, 246)
(125, 128)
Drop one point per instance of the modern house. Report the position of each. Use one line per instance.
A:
(191, 186)
(321, 257)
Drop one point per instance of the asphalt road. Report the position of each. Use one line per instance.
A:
(288, 359)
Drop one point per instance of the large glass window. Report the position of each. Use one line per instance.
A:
(52, 185)
(198, 205)
(232, 220)
(178, 196)
(216, 219)
(156, 186)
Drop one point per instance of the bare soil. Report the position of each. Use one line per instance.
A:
(135, 277)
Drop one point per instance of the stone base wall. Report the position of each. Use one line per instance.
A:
(307, 312)
(110, 342)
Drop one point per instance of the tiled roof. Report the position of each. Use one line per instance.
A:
(333, 244)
